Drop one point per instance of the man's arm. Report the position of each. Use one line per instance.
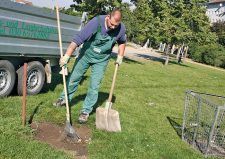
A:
(122, 44)
(63, 60)
(79, 39)
(121, 50)
(71, 49)
(86, 32)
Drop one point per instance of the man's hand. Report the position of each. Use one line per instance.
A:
(119, 59)
(63, 60)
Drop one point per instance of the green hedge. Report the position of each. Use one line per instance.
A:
(219, 29)
(212, 54)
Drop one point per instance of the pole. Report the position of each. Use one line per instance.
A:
(24, 94)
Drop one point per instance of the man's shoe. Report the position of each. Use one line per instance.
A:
(83, 117)
(59, 103)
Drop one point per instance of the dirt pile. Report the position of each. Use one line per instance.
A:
(53, 135)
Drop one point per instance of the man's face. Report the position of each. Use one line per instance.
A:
(113, 22)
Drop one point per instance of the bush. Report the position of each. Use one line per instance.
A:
(222, 38)
(195, 53)
(212, 54)
(219, 29)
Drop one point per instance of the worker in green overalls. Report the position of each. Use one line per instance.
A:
(98, 37)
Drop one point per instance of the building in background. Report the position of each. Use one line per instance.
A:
(216, 11)
(23, 2)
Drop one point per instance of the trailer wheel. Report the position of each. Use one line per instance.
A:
(35, 78)
(7, 77)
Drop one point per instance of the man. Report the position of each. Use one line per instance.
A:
(98, 37)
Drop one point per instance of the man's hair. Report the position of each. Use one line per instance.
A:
(116, 10)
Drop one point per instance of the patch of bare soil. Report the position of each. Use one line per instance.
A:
(54, 136)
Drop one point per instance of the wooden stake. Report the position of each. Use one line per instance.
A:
(185, 53)
(178, 53)
(24, 94)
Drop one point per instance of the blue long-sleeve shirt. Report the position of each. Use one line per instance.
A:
(91, 27)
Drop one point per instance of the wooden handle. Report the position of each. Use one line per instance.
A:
(63, 69)
(113, 83)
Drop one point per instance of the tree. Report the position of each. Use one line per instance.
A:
(198, 22)
(95, 7)
(219, 29)
(182, 21)
(143, 26)
(128, 20)
(70, 11)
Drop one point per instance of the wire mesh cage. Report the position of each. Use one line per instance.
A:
(204, 123)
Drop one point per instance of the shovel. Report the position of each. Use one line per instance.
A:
(107, 118)
(69, 130)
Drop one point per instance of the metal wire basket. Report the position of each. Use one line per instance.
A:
(204, 123)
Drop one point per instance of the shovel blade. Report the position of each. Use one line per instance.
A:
(101, 118)
(108, 120)
(113, 121)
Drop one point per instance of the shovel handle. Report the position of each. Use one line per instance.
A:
(63, 69)
(113, 83)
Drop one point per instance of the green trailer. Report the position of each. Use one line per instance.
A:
(29, 34)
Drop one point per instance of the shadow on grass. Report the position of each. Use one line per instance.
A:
(152, 58)
(126, 59)
(176, 124)
(57, 79)
(161, 59)
(130, 61)
(34, 112)
(179, 64)
(147, 57)
(102, 97)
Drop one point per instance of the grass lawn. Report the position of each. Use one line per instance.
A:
(147, 95)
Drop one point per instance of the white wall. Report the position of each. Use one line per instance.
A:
(216, 12)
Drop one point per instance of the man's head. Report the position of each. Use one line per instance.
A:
(113, 20)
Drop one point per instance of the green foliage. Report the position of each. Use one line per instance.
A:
(219, 29)
(128, 20)
(95, 7)
(221, 38)
(143, 26)
(70, 11)
(182, 22)
(173, 22)
(212, 54)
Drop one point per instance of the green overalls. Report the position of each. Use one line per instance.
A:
(95, 53)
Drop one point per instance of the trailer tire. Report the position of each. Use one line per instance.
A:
(7, 77)
(35, 78)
